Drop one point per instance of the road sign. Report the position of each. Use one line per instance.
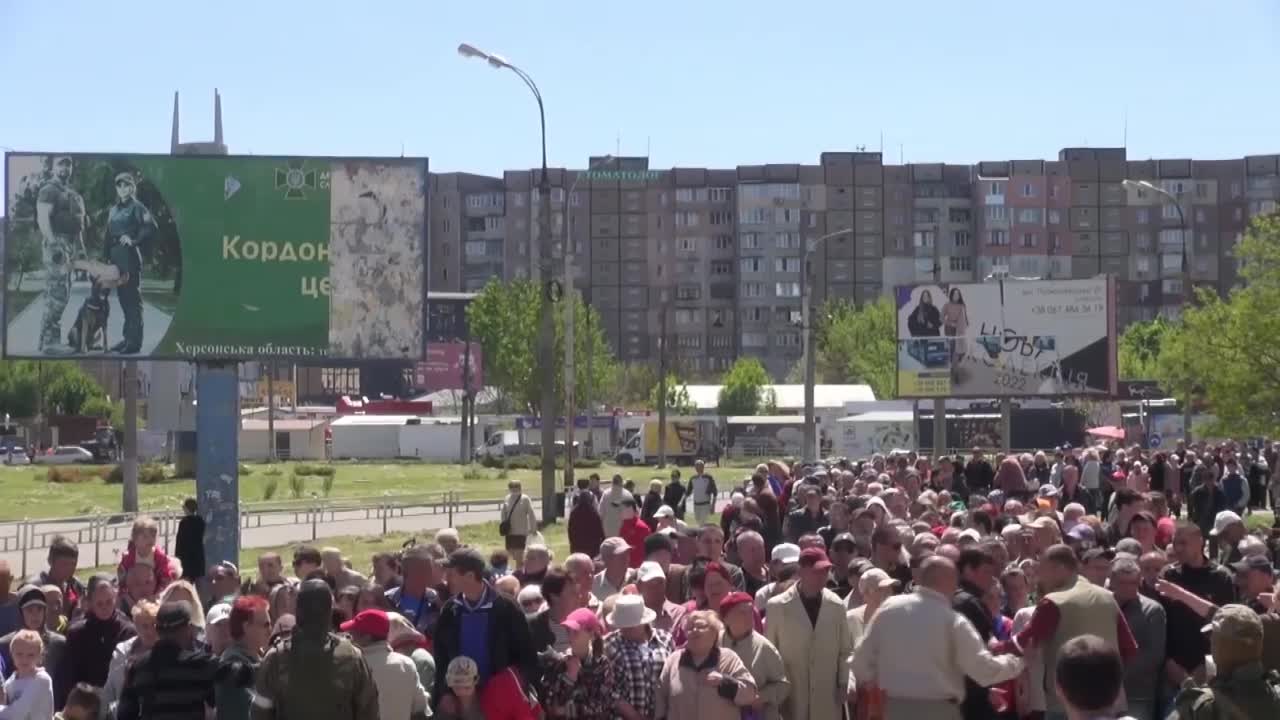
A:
(1154, 440)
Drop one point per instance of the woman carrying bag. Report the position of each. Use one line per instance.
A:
(517, 522)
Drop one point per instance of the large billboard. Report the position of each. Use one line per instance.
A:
(205, 257)
(1018, 338)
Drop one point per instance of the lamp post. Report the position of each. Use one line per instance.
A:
(570, 379)
(546, 325)
(1186, 273)
(810, 361)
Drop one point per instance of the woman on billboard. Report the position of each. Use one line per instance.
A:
(925, 320)
(955, 321)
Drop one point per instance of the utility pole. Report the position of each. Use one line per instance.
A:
(662, 388)
(271, 411)
(940, 404)
(810, 352)
(129, 467)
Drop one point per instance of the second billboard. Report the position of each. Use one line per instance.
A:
(186, 257)
(1012, 338)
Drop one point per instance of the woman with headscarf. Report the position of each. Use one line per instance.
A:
(652, 501)
(586, 529)
(925, 320)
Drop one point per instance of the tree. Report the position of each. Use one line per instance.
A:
(678, 400)
(66, 389)
(855, 345)
(1222, 352)
(503, 318)
(629, 384)
(745, 388)
(1138, 349)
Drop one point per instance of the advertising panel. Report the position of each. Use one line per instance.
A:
(207, 257)
(444, 366)
(1016, 338)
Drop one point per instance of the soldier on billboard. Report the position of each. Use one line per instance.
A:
(60, 218)
(130, 227)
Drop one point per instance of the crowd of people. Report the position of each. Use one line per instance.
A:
(1082, 584)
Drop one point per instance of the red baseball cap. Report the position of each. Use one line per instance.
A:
(733, 600)
(715, 568)
(584, 619)
(373, 623)
(815, 558)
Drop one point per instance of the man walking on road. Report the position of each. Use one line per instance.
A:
(703, 489)
(60, 218)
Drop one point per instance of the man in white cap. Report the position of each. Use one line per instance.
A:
(651, 580)
(874, 587)
(782, 567)
(217, 628)
(615, 554)
(637, 651)
(1228, 530)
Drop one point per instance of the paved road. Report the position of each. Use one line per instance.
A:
(24, 330)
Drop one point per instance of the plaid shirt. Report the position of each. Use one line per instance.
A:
(636, 667)
(590, 697)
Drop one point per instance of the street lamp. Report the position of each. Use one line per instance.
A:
(546, 325)
(570, 380)
(810, 361)
(1186, 275)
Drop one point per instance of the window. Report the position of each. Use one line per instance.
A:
(721, 342)
(447, 225)
(684, 316)
(1029, 215)
(961, 264)
(787, 339)
(1053, 190)
(557, 195)
(1172, 286)
(687, 244)
(756, 216)
(996, 188)
(751, 264)
(688, 292)
(340, 381)
(787, 289)
(786, 241)
(787, 216)
(1238, 214)
(1202, 190)
(1029, 240)
(473, 248)
(721, 217)
(770, 191)
(721, 267)
(719, 195)
(922, 239)
(692, 342)
(959, 215)
(750, 241)
(925, 216)
(1143, 216)
(1055, 243)
(786, 316)
(1169, 212)
(1028, 190)
(1199, 215)
(1235, 190)
(998, 237)
(755, 340)
(1055, 217)
(1171, 262)
(753, 290)
(1175, 187)
(494, 222)
(684, 195)
(686, 219)
(522, 248)
(724, 242)
(813, 220)
(961, 238)
(1142, 241)
(757, 314)
(899, 243)
(997, 212)
(481, 201)
(786, 265)
(898, 218)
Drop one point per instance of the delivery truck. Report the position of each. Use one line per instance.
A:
(686, 441)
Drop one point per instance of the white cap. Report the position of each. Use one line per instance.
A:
(873, 579)
(972, 534)
(786, 553)
(1222, 521)
(650, 570)
(218, 613)
(664, 512)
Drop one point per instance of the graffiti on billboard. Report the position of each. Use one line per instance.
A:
(1014, 338)
(160, 256)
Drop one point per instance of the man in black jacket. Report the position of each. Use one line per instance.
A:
(91, 640)
(978, 474)
(189, 545)
(1187, 646)
(481, 624)
(977, 570)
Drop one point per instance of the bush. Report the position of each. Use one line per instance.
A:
(297, 486)
(317, 470)
(327, 484)
(273, 472)
(245, 470)
(148, 474)
(68, 475)
(533, 462)
(472, 472)
(270, 487)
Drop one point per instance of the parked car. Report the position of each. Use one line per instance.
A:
(65, 455)
(15, 456)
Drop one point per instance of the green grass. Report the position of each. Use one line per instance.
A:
(360, 549)
(26, 493)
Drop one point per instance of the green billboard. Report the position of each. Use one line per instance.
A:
(199, 257)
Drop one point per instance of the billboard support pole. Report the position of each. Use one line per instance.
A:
(129, 468)
(940, 403)
(1006, 424)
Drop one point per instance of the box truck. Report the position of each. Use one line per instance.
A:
(686, 441)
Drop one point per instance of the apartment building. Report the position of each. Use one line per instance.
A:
(714, 255)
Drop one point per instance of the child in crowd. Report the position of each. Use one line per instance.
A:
(142, 544)
(28, 693)
(83, 703)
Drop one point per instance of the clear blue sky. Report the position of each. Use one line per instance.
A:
(700, 82)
